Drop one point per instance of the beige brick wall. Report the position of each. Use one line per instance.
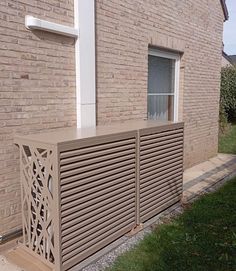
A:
(37, 78)
(37, 88)
(125, 29)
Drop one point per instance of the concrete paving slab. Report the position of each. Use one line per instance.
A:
(204, 175)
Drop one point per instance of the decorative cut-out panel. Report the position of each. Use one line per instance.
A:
(37, 180)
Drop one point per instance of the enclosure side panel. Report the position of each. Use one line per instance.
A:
(98, 184)
(39, 199)
(161, 170)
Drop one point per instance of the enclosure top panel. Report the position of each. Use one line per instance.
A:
(71, 134)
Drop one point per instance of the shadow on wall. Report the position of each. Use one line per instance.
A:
(53, 38)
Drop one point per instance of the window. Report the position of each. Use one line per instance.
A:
(163, 81)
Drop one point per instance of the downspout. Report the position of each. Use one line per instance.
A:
(9, 236)
(84, 20)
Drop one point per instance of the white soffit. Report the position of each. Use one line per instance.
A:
(33, 23)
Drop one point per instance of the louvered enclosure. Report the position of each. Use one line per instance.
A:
(84, 188)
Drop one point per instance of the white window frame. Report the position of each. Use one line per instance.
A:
(176, 57)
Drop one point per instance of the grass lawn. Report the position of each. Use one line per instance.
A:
(203, 238)
(227, 142)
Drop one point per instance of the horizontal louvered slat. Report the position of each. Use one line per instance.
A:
(169, 137)
(157, 199)
(154, 162)
(95, 181)
(155, 182)
(85, 220)
(84, 202)
(160, 176)
(159, 207)
(161, 167)
(93, 170)
(97, 196)
(155, 135)
(96, 228)
(98, 160)
(92, 248)
(96, 149)
(110, 229)
(84, 178)
(166, 167)
(162, 147)
(91, 188)
(162, 151)
(161, 143)
(71, 224)
(114, 163)
(154, 157)
(86, 156)
(159, 192)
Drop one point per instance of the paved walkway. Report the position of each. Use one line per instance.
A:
(198, 180)
(205, 175)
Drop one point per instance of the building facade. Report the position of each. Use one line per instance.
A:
(38, 75)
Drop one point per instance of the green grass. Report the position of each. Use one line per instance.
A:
(227, 142)
(203, 238)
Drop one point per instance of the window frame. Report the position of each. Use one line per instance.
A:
(175, 94)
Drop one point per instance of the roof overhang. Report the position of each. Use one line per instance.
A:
(225, 10)
(227, 57)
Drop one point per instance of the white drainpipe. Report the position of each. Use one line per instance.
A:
(84, 18)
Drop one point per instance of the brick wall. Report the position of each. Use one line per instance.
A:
(37, 88)
(37, 78)
(125, 29)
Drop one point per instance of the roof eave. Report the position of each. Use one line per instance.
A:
(225, 9)
(227, 57)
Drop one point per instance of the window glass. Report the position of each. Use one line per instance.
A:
(161, 88)
(161, 73)
(161, 107)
